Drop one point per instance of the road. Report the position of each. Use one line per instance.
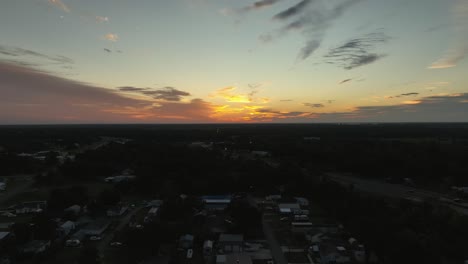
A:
(275, 247)
(395, 191)
(104, 243)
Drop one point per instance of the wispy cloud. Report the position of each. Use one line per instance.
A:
(32, 58)
(449, 108)
(345, 81)
(132, 89)
(312, 105)
(101, 19)
(409, 94)
(166, 93)
(111, 37)
(308, 17)
(314, 23)
(268, 114)
(402, 95)
(459, 44)
(357, 52)
(59, 4)
(260, 4)
(293, 11)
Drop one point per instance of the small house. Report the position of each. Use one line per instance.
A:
(186, 241)
(230, 243)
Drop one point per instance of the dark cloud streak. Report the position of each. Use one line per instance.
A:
(292, 11)
(357, 52)
(345, 81)
(312, 105)
(166, 93)
(20, 52)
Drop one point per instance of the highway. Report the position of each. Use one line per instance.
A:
(396, 191)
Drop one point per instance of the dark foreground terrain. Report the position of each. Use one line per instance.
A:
(231, 193)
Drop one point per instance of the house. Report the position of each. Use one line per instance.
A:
(234, 259)
(2, 185)
(120, 178)
(230, 243)
(207, 247)
(301, 227)
(74, 209)
(31, 207)
(76, 238)
(116, 211)
(34, 247)
(273, 197)
(303, 202)
(301, 218)
(5, 226)
(4, 236)
(331, 254)
(96, 228)
(186, 241)
(289, 208)
(153, 203)
(218, 202)
(203, 145)
(67, 227)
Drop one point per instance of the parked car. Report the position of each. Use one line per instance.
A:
(95, 238)
(116, 244)
(72, 243)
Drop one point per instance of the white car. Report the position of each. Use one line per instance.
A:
(95, 238)
(116, 244)
(72, 243)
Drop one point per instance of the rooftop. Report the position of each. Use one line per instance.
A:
(231, 238)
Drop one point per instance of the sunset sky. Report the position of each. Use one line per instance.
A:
(205, 61)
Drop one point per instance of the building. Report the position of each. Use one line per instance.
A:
(289, 208)
(154, 203)
(186, 241)
(4, 236)
(120, 178)
(231, 243)
(74, 209)
(207, 247)
(2, 185)
(218, 202)
(31, 207)
(331, 254)
(234, 259)
(67, 227)
(301, 227)
(34, 247)
(116, 211)
(96, 228)
(303, 202)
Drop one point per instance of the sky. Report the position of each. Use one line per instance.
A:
(222, 61)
